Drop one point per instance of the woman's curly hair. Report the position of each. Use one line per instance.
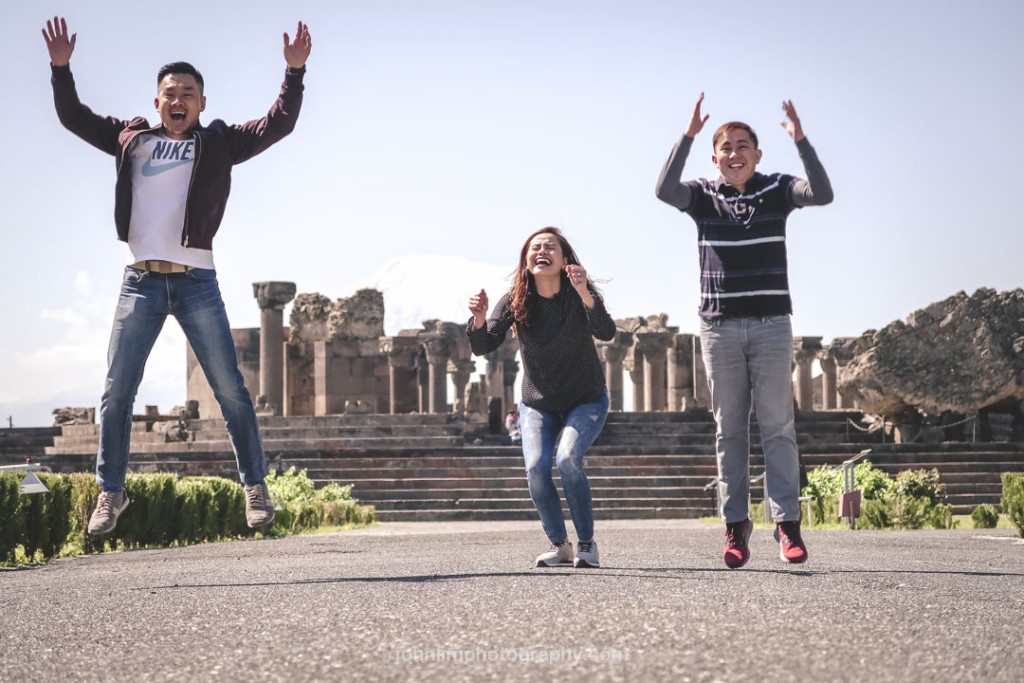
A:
(523, 293)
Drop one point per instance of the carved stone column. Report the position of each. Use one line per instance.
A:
(460, 370)
(829, 395)
(841, 350)
(436, 346)
(509, 372)
(494, 374)
(805, 350)
(680, 373)
(401, 354)
(272, 297)
(634, 365)
(701, 391)
(653, 346)
(612, 354)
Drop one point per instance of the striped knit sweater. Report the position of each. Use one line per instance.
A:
(741, 236)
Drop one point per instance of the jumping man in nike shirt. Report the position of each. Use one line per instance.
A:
(172, 186)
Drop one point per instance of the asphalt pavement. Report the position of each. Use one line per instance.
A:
(461, 601)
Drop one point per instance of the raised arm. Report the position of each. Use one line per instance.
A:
(253, 137)
(58, 44)
(669, 188)
(817, 189)
(486, 335)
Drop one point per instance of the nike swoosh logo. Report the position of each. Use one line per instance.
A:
(148, 169)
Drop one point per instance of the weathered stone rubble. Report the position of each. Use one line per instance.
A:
(962, 354)
(314, 317)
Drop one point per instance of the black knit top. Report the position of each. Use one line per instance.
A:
(561, 369)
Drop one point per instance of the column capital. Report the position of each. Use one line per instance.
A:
(456, 365)
(437, 346)
(399, 350)
(806, 349)
(653, 344)
(273, 295)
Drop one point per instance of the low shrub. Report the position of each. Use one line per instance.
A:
(875, 514)
(941, 516)
(985, 516)
(335, 492)
(914, 499)
(825, 484)
(1013, 499)
(291, 486)
(922, 484)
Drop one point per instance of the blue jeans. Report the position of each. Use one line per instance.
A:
(752, 358)
(541, 444)
(194, 299)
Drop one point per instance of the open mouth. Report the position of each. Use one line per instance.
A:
(177, 116)
(542, 261)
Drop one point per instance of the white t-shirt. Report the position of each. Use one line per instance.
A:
(161, 170)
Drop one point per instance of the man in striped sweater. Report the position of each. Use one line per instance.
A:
(746, 334)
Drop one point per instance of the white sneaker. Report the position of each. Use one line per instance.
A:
(587, 555)
(556, 556)
(108, 508)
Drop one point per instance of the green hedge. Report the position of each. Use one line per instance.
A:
(38, 524)
(164, 510)
(1013, 499)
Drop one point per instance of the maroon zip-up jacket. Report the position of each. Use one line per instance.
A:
(219, 146)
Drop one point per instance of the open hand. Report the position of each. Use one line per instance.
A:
(296, 52)
(697, 121)
(57, 42)
(792, 122)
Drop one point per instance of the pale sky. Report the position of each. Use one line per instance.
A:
(458, 127)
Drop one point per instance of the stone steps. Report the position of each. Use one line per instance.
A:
(19, 443)
(444, 467)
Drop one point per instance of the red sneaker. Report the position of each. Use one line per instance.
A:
(791, 546)
(736, 536)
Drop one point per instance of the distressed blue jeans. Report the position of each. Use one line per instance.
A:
(750, 360)
(194, 299)
(564, 439)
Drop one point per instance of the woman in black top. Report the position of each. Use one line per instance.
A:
(555, 312)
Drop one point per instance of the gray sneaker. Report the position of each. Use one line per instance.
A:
(259, 508)
(108, 508)
(556, 556)
(586, 556)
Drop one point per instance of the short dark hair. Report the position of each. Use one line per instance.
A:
(725, 128)
(180, 68)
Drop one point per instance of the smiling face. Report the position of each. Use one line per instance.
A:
(544, 256)
(736, 156)
(179, 100)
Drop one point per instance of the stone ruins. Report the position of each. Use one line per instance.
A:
(335, 358)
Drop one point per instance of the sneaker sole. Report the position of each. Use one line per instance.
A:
(783, 557)
(583, 564)
(262, 525)
(556, 564)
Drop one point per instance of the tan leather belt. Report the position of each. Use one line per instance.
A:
(160, 267)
